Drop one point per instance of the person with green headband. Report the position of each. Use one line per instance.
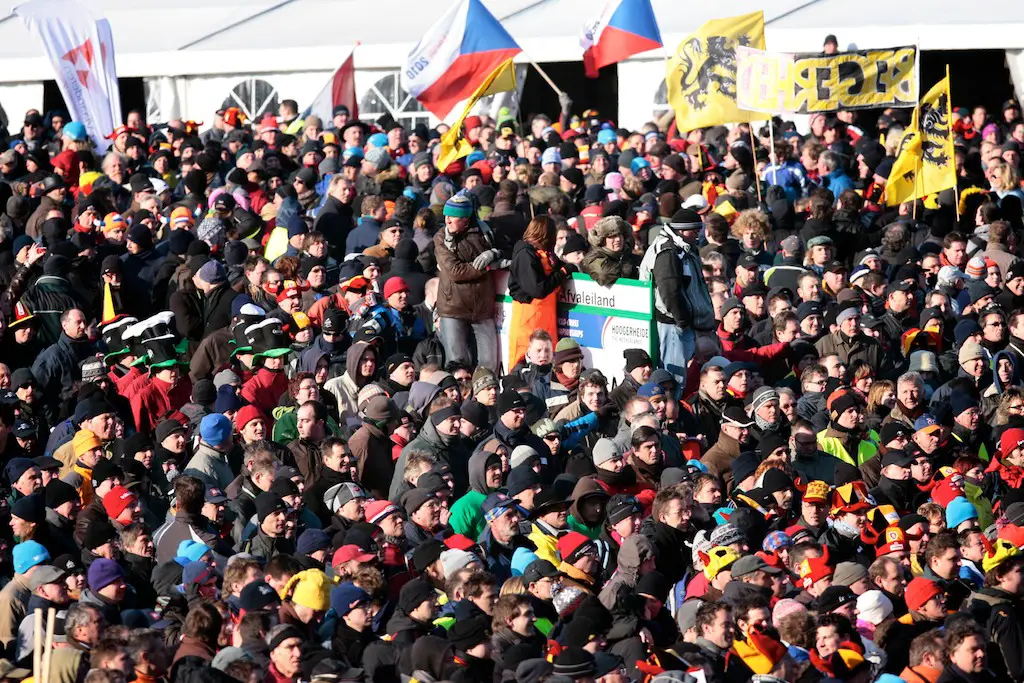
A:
(465, 251)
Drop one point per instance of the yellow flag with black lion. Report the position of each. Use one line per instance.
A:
(701, 75)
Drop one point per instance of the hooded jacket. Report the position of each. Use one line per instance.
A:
(448, 449)
(467, 517)
(346, 387)
(584, 487)
(632, 553)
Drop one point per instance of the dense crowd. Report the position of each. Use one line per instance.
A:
(255, 424)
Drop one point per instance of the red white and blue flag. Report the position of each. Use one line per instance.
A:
(623, 29)
(341, 89)
(455, 56)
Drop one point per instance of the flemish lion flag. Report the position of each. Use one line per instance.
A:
(454, 145)
(701, 75)
(925, 163)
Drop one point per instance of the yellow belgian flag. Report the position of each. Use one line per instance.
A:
(454, 144)
(701, 75)
(926, 163)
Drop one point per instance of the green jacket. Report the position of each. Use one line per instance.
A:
(467, 516)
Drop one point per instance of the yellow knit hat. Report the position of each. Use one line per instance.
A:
(84, 441)
(310, 588)
(1000, 551)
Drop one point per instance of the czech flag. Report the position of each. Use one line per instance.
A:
(624, 28)
(455, 57)
(340, 89)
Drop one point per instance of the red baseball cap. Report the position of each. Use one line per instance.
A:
(348, 553)
(116, 500)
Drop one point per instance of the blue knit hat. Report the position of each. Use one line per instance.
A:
(215, 429)
(190, 551)
(227, 399)
(28, 555)
(959, 511)
(459, 206)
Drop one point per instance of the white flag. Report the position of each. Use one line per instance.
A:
(81, 51)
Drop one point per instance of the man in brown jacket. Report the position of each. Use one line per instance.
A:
(848, 342)
(372, 448)
(466, 292)
(735, 434)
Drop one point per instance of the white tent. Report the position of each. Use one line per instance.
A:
(195, 55)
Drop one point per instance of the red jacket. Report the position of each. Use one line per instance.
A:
(157, 400)
(124, 381)
(137, 384)
(733, 343)
(264, 389)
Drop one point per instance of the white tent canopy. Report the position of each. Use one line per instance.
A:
(195, 55)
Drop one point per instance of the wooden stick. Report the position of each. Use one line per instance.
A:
(753, 152)
(37, 643)
(51, 620)
(543, 74)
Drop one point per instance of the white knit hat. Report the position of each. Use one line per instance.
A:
(874, 607)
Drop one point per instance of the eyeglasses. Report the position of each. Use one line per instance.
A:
(996, 323)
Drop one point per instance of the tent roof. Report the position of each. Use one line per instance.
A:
(254, 36)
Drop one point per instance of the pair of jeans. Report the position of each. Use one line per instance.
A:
(455, 338)
(676, 347)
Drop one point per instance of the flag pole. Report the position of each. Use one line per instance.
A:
(956, 184)
(543, 74)
(771, 141)
(753, 151)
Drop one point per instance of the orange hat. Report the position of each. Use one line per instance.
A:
(181, 218)
(919, 591)
(233, 116)
(355, 284)
(114, 221)
(891, 540)
(84, 441)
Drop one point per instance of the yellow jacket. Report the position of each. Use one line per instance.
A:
(85, 490)
(866, 449)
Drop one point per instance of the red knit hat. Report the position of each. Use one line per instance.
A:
(378, 510)
(570, 543)
(395, 285)
(1010, 440)
(116, 500)
(919, 591)
(247, 414)
(945, 491)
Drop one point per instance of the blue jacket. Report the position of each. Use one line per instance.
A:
(497, 556)
(837, 181)
(363, 236)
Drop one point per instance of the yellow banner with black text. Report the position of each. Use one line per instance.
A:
(780, 83)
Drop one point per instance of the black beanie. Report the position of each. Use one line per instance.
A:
(414, 593)
(510, 400)
(468, 633)
(636, 358)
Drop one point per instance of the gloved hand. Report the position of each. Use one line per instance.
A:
(607, 412)
(565, 102)
(503, 264)
(483, 260)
